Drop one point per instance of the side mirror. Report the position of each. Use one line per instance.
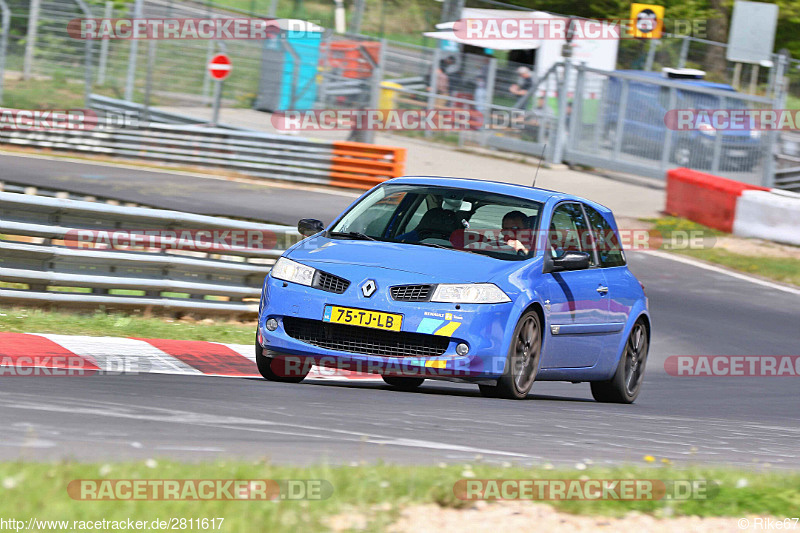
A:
(571, 260)
(310, 226)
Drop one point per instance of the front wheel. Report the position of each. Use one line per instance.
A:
(269, 368)
(522, 362)
(624, 387)
(403, 383)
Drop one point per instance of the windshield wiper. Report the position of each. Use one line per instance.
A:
(352, 235)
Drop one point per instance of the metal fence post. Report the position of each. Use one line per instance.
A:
(684, 52)
(134, 50)
(779, 102)
(87, 78)
(433, 83)
(666, 154)
(717, 153)
(30, 40)
(576, 118)
(101, 66)
(148, 89)
(651, 54)
(491, 77)
(4, 44)
(622, 109)
(375, 89)
(561, 123)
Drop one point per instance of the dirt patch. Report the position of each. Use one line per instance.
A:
(520, 516)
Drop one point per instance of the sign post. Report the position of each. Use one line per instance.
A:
(219, 67)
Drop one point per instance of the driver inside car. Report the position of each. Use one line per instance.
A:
(515, 225)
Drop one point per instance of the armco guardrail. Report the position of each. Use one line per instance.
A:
(40, 252)
(339, 163)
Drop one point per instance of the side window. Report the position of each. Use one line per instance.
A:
(570, 232)
(608, 246)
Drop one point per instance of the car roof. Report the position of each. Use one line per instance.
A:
(520, 191)
(686, 81)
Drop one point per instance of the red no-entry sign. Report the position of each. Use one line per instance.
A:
(220, 66)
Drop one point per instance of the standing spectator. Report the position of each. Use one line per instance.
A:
(523, 87)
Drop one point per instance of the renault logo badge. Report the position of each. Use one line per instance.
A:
(369, 288)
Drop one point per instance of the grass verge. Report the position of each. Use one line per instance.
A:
(376, 492)
(100, 323)
(782, 269)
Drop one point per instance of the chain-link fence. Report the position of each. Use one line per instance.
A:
(352, 71)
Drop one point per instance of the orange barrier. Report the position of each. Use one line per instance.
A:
(362, 166)
(704, 198)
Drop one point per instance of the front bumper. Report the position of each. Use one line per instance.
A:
(481, 327)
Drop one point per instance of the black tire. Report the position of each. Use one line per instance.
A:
(522, 362)
(265, 368)
(403, 383)
(626, 384)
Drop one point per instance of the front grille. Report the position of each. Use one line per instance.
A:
(329, 282)
(367, 341)
(412, 293)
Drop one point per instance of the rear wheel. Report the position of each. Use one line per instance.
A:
(624, 387)
(522, 363)
(403, 383)
(274, 369)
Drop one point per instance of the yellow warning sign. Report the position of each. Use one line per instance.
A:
(647, 21)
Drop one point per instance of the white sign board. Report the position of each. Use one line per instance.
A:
(752, 35)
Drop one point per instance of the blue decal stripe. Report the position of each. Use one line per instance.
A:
(429, 325)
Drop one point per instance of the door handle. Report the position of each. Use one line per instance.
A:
(602, 290)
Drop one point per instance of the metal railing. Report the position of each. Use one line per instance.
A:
(251, 153)
(43, 259)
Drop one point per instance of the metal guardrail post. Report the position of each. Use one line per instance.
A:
(6, 13)
(87, 90)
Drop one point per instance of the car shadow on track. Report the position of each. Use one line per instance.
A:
(431, 389)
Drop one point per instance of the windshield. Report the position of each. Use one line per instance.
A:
(492, 224)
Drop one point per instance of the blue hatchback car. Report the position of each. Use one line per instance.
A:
(461, 280)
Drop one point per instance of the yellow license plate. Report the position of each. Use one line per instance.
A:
(362, 317)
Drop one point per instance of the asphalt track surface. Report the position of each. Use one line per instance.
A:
(732, 420)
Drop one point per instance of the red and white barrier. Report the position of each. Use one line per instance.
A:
(27, 354)
(734, 207)
(772, 215)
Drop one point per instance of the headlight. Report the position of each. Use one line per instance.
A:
(288, 270)
(469, 293)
